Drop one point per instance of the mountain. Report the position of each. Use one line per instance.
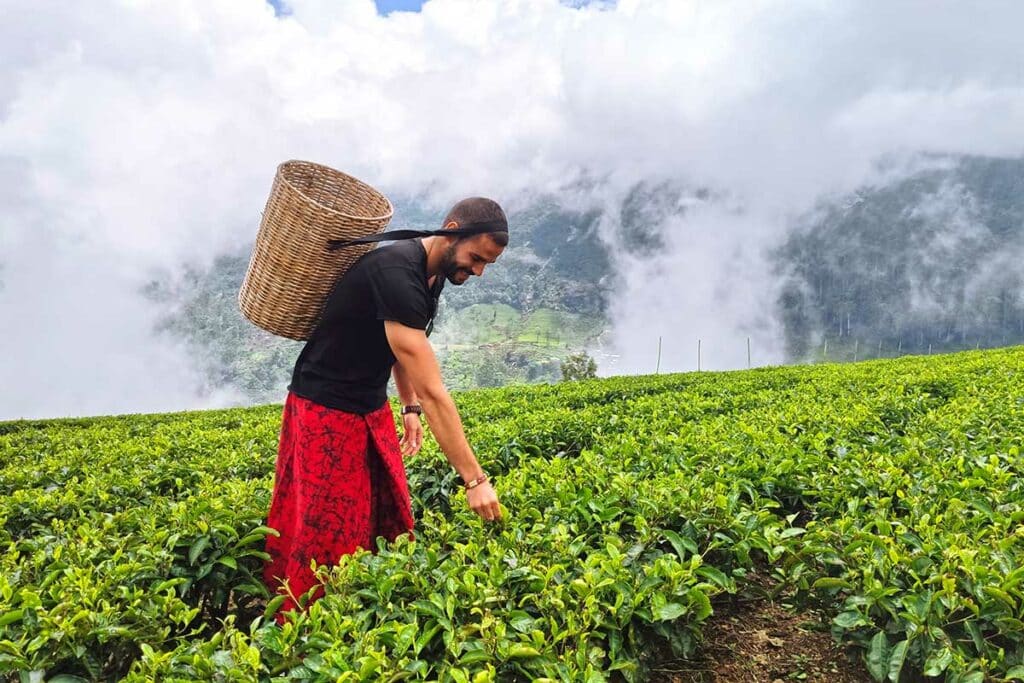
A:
(933, 261)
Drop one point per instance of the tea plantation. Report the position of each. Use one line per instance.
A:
(889, 492)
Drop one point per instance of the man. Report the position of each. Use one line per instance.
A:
(339, 480)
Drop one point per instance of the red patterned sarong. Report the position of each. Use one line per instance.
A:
(339, 484)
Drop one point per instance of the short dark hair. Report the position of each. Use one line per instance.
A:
(477, 210)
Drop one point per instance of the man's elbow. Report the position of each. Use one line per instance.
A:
(421, 373)
(432, 392)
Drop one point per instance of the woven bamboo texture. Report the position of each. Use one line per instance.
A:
(291, 271)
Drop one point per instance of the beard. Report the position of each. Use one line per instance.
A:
(454, 273)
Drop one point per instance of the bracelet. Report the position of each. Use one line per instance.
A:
(473, 483)
(412, 409)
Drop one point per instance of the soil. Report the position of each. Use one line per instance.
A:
(758, 640)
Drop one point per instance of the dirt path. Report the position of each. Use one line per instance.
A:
(760, 641)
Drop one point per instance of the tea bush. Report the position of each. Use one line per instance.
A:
(889, 492)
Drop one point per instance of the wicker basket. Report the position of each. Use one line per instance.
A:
(291, 271)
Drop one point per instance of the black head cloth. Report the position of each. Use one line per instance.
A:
(393, 235)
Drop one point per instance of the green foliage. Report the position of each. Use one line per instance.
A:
(889, 492)
(579, 366)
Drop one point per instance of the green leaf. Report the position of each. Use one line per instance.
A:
(370, 665)
(899, 653)
(426, 637)
(669, 611)
(1010, 624)
(197, 547)
(878, 656)
(1000, 595)
(522, 652)
(938, 661)
(256, 536)
(164, 585)
(428, 607)
(972, 628)
(273, 606)
(713, 575)
(474, 656)
(1013, 578)
(828, 582)
(12, 616)
(683, 546)
(521, 621)
(252, 588)
(228, 561)
(417, 666)
(848, 620)
(700, 602)
(1015, 672)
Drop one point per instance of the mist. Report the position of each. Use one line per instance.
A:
(138, 138)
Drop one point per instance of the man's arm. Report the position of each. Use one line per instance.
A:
(414, 353)
(412, 430)
(406, 391)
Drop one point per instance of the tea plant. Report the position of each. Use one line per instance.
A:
(888, 492)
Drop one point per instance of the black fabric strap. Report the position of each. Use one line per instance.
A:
(394, 235)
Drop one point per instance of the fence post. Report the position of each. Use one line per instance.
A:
(657, 368)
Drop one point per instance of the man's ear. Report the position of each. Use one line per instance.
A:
(451, 224)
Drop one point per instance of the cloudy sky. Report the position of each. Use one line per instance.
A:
(138, 135)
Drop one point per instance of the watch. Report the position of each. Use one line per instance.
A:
(412, 409)
(472, 484)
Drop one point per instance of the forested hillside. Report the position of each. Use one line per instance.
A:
(549, 290)
(934, 261)
(931, 262)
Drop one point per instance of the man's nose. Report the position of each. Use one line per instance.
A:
(478, 269)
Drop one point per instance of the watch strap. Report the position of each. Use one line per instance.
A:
(473, 483)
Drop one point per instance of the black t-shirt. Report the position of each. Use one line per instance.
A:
(346, 363)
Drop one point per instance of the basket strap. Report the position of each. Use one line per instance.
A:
(394, 235)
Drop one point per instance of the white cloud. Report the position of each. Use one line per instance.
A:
(139, 134)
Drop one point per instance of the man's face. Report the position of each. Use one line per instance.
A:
(469, 257)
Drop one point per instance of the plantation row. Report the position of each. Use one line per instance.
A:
(889, 491)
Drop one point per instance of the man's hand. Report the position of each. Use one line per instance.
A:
(412, 434)
(484, 502)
